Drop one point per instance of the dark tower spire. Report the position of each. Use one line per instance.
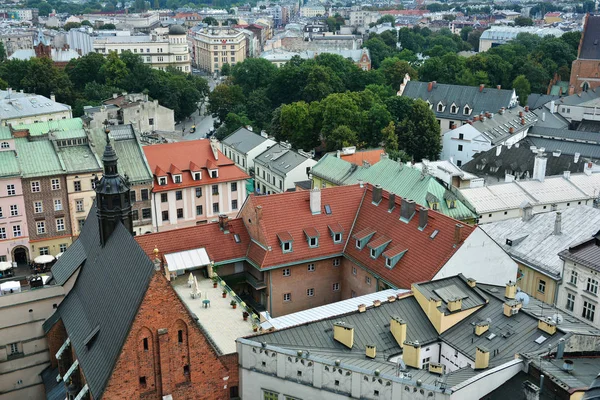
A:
(113, 202)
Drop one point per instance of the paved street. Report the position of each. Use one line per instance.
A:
(204, 123)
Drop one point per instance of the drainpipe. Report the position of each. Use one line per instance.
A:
(154, 208)
(270, 296)
(541, 383)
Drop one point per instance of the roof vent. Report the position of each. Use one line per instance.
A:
(344, 334)
(547, 325)
(371, 350)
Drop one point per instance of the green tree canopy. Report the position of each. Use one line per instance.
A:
(419, 135)
(522, 88)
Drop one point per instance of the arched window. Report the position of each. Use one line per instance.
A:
(453, 109)
(440, 107)
(467, 110)
(4, 145)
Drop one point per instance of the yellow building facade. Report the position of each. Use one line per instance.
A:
(536, 284)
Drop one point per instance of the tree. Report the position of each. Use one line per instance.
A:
(464, 32)
(394, 71)
(522, 88)
(523, 21)
(377, 118)
(253, 73)
(70, 25)
(210, 21)
(341, 136)
(297, 126)
(114, 69)
(86, 23)
(387, 18)
(223, 99)
(320, 83)
(473, 39)
(42, 77)
(2, 52)
(419, 135)
(85, 69)
(107, 27)
(399, 107)
(378, 50)
(259, 109)
(226, 69)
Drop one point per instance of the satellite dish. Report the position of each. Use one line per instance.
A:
(523, 298)
(489, 320)
(558, 319)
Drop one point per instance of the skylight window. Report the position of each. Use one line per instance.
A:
(434, 234)
(236, 237)
(327, 209)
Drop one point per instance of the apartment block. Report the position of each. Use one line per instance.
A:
(215, 46)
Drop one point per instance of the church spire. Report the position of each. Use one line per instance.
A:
(113, 202)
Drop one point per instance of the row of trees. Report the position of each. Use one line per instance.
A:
(90, 79)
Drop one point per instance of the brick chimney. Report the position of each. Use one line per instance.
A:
(392, 202)
(423, 217)
(315, 201)
(481, 87)
(458, 233)
(377, 194)
(258, 211)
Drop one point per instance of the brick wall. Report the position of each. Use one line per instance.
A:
(182, 364)
(580, 71)
(55, 337)
(251, 217)
(47, 196)
(356, 284)
(299, 281)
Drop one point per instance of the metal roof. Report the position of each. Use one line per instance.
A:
(586, 150)
(42, 128)
(78, 159)
(589, 48)
(37, 158)
(8, 164)
(280, 158)
(20, 105)
(538, 246)
(329, 310)
(244, 140)
(187, 259)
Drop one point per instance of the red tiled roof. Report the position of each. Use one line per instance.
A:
(425, 256)
(285, 237)
(173, 170)
(378, 241)
(394, 251)
(194, 167)
(311, 232)
(181, 155)
(290, 212)
(363, 233)
(159, 172)
(210, 164)
(335, 228)
(370, 156)
(218, 245)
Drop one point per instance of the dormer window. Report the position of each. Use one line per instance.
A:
(177, 178)
(312, 237)
(363, 237)
(337, 238)
(336, 232)
(467, 110)
(197, 176)
(453, 109)
(429, 104)
(162, 181)
(378, 245)
(393, 255)
(440, 107)
(214, 173)
(285, 240)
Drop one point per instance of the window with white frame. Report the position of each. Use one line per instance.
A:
(592, 285)
(177, 178)
(313, 242)
(58, 205)
(286, 272)
(17, 231)
(336, 262)
(14, 210)
(269, 394)
(570, 302)
(38, 207)
(62, 247)
(41, 227)
(2, 233)
(55, 183)
(426, 362)
(35, 186)
(14, 348)
(589, 309)
(44, 251)
(79, 205)
(542, 286)
(10, 190)
(287, 297)
(162, 181)
(573, 278)
(336, 287)
(337, 238)
(60, 224)
(368, 280)
(310, 292)
(311, 267)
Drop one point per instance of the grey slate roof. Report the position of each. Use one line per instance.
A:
(576, 99)
(590, 47)
(534, 242)
(537, 100)
(455, 286)
(106, 296)
(491, 164)
(66, 266)
(280, 159)
(243, 140)
(550, 120)
(497, 129)
(488, 100)
(55, 390)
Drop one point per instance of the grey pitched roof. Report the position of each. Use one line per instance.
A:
(586, 253)
(534, 242)
(55, 389)
(280, 158)
(455, 286)
(497, 128)
(487, 100)
(549, 120)
(565, 134)
(537, 100)
(590, 46)
(243, 140)
(491, 164)
(66, 266)
(576, 99)
(105, 299)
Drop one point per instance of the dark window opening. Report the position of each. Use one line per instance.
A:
(180, 336)
(143, 381)
(186, 369)
(145, 343)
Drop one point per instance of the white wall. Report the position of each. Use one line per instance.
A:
(482, 384)
(482, 259)
(471, 144)
(298, 174)
(578, 290)
(258, 150)
(453, 359)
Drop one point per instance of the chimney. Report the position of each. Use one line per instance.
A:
(411, 354)
(539, 167)
(499, 87)
(547, 325)
(482, 327)
(498, 150)
(429, 86)
(115, 95)
(552, 105)
(567, 175)
(457, 234)
(455, 304)
(423, 217)
(377, 194)
(543, 116)
(344, 334)
(576, 157)
(392, 202)
(370, 350)
(557, 223)
(522, 121)
(471, 282)
(560, 351)
(407, 210)
(520, 114)
(362, 308)
(482, 357)
(315, 201)
(587, 169)
(360, 183)
(481, 87)
(526, 108)
(398, 330)
(224, 222)
(511, 307)
(258, 211)
(527, 212)
(52, 97)
(511, 290)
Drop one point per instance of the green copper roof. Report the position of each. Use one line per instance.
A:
(78, 159)
(69, 134)
(41, 128)
(393, 177)
(132, 160)
(37, 158)
(8, 164)
(5, 133)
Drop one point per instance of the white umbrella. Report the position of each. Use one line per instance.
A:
(196, 288)
(5, 265)
(45, 259)
(191, 280)
(59, 255)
